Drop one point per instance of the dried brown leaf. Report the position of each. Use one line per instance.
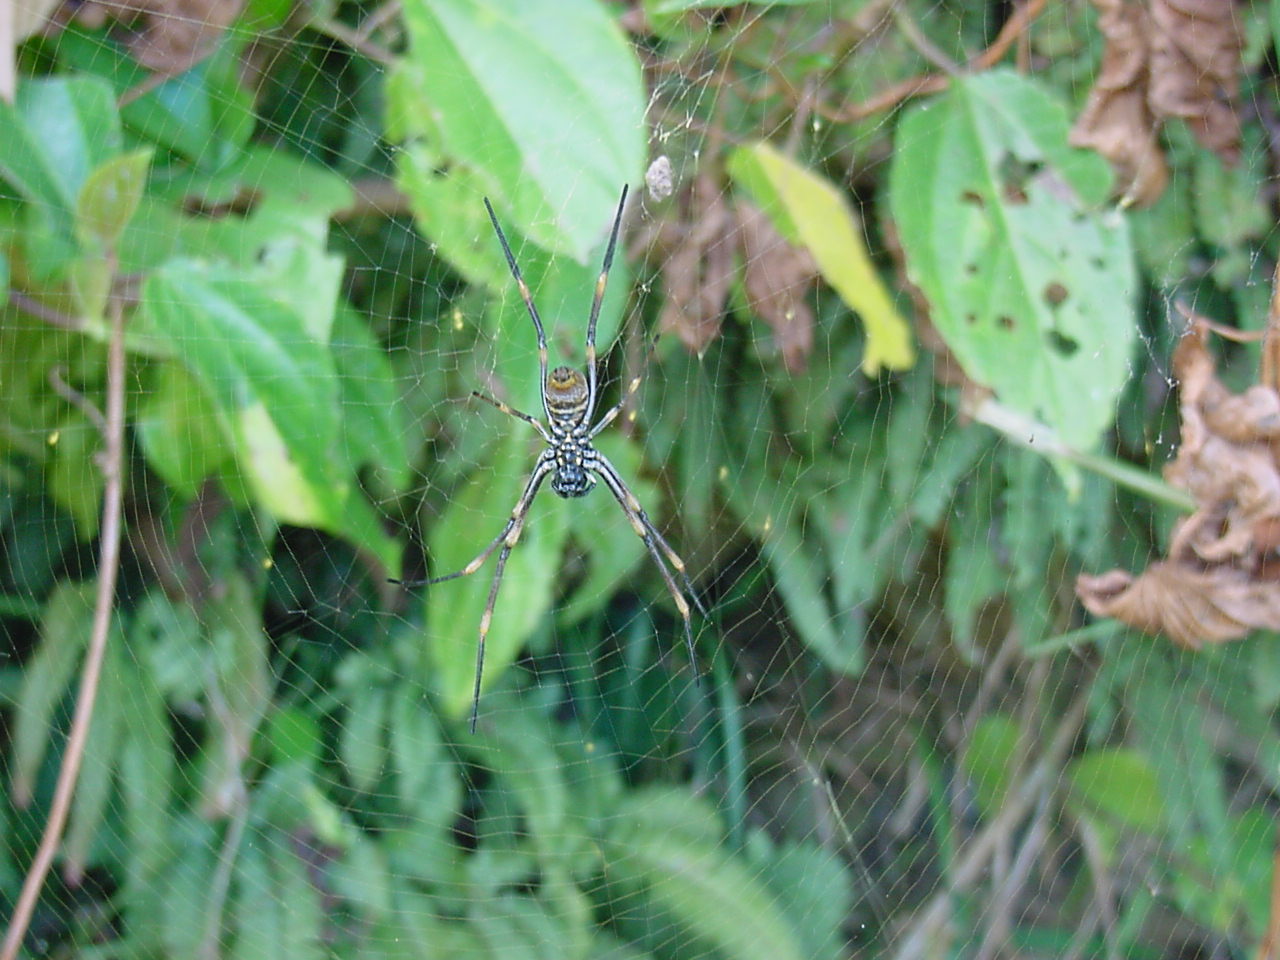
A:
(1195, 62)
(169, 36)
(1163, 59)
(1117, 120)
(1225, 460)
(1191, 606)
(1219, 580)
(697, 266)
(777, 277)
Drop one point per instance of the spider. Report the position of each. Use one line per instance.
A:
(570, 459)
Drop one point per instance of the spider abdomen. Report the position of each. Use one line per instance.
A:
(567, 396)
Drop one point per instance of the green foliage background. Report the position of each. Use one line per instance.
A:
(908, 740)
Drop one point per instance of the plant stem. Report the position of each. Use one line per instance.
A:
(108, 569)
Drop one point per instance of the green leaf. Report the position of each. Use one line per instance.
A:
(522, 756)
(75, 479)
(1119, 784)
(989, 760)
(363, 742)
(426, 775)
(109, 199)
(147, 768)
(58, 131)
(256, 910)
(182, 436)
(1030, 283)
(294, 736)
(799, 578)
(204, 114)
(276, 391)
(811, 213)
(111, 712)
(64, 632)
(473, 517)
(813, 888)
(373, 431)
(542, 99)
(715, 898)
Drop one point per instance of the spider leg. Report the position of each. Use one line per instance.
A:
(595, 307)
(632, 504)
(544, 466)
(612, 413)
(527, 297)
(532, 421)
(645, 530)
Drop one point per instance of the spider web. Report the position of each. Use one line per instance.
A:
(903, 736)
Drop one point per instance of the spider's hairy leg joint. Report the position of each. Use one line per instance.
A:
(524, 290)
(604, 275)
(638, 527)
(681, 605)
(485, 619)
(474, 565)
(677, 563)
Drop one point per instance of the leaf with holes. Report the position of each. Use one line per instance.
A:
(1029, 280)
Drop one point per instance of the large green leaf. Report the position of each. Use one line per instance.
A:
(276, 390)
(1029, 280)
(542, 98)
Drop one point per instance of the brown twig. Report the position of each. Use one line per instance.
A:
(38, 310)
(973, 858)
(1269, 948)
(108, 569)
(928, 83)
(77, 399)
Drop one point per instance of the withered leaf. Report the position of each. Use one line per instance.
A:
(169, 36)
(697, 267)
(1191, 606)
(1163, 59)
(1220, 578)
(777, 278)
(1195, 62)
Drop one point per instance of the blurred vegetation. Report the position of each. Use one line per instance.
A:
(909, 740)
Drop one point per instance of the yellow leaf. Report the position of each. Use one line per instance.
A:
(810, 212)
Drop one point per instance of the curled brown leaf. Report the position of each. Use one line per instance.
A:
(1219, 580)
(1190, 606)
(777, 278)
(1163, 59)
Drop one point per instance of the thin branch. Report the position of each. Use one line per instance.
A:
(972, 860)
(77, 399)
(1042, 439)
(38, 310)
(108, 569)
(926, 83)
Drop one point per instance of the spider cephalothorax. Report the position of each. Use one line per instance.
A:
(570, 459)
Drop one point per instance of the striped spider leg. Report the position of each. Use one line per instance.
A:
(570, 458)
